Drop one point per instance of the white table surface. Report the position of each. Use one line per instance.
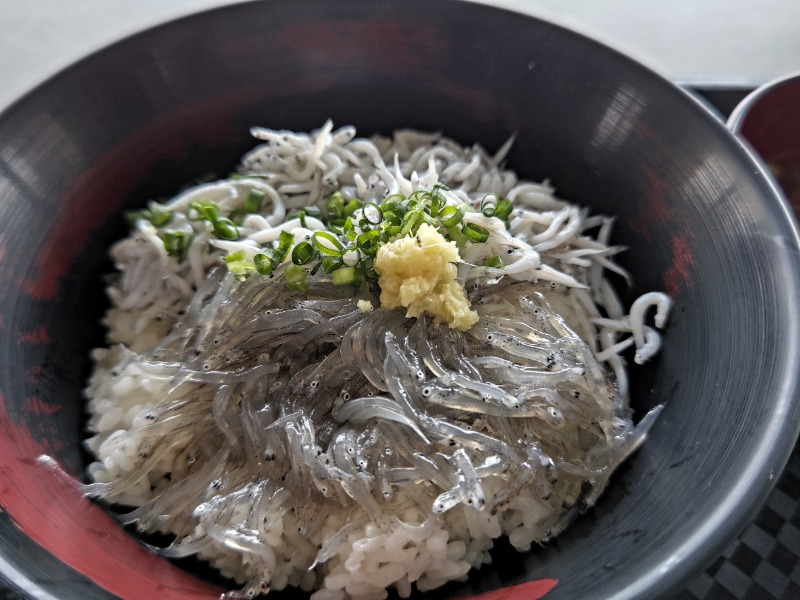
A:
(739, 43)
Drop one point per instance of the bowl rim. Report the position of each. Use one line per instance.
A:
(740, 112)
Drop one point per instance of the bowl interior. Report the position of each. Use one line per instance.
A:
(143, 117)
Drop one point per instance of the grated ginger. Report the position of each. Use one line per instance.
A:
(418, 272)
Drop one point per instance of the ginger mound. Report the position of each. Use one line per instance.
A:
(418, 273)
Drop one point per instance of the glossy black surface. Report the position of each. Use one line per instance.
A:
(141, 118)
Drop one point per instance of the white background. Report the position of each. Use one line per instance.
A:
(719, 42)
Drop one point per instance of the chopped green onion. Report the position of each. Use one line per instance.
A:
(368, 270)
(237, 215)
(303, 253)
(411, 222)
(334, 207)
(475, 233)
(393, 218)
(331, 263)
(295, 273)
(225, 229)
(285, 242)
(352, 206)
(264, 264)
(358, 277)
(207, 211)
(134, 215)
(157, 216)
(357, 229)
(234, 256)
(394, 198)
(389, 206)
(494, 261)
(348, 229)
(489, 205)
(455, 235)
(368, 242)
(344, 276)
(254, 201)
(450, 216)
(313, 211)
(372, 213)
(242, 268)
(296, 278)
(416, 197)
(176, 243)
(333, 248)
(503, 210)
(391, 231)
(437, 202)
(160, 217)
(393, 211)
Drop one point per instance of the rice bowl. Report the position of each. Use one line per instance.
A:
(286, 424)
(143, 117)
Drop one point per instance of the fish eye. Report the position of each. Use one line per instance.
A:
(420, 374)
(426, 391)
(510, 251)
(489, 337)
(314, 384)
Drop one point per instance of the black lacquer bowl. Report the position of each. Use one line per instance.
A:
(139, 119)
